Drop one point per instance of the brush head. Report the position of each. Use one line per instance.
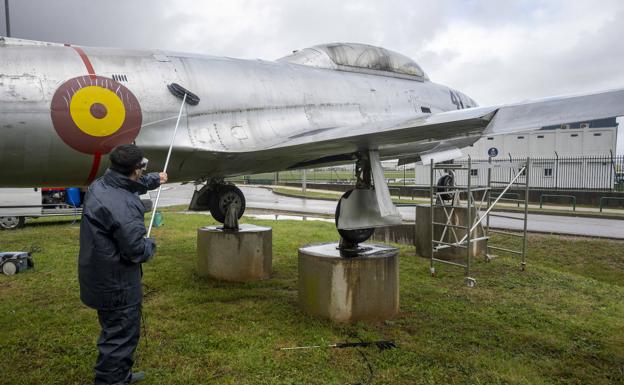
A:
(178, 91)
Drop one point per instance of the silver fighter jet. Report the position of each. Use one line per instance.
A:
(63, 108)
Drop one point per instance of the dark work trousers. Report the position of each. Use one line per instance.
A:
(118, 341)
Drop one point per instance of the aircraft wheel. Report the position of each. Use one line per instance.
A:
(222, 198)
(352, 236)
(11, 223)
(443, 185)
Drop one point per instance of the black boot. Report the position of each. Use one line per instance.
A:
(136, 377)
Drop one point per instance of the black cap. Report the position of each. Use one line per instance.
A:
(126, 158)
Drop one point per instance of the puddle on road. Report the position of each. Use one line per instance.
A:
(282, 217)
(270, 217)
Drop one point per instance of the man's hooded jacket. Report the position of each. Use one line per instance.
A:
(112, 241)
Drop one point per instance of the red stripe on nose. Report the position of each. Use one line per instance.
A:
(97, 157)
(86, 61)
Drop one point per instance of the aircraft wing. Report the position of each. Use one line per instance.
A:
(533, 114)
(442, 133)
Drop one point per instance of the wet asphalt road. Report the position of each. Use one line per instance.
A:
(263, 198)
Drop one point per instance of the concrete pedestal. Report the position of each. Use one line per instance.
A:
(403, 234)
(460, 218)
(238, 256)
(361, 288)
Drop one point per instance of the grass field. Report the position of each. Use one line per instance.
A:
(559, 322)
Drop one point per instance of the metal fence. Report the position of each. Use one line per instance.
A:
(600, 173)
(399, 176)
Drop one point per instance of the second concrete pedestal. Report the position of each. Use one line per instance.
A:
(361, 288)
(239, 256)
(459, 218)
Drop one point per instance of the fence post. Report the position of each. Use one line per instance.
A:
(510, 168)
(611, 169)
(304, 182)
(404, 175)
(557, 171)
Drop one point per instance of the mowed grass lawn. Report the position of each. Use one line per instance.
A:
(561, 321)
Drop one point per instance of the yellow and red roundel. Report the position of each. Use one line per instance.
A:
(93, 114)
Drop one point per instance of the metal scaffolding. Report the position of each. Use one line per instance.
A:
(519, 177)
(451, 199)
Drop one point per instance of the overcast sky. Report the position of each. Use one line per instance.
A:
(495, 51)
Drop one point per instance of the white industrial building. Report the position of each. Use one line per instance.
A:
(593, 138)
(576, 155)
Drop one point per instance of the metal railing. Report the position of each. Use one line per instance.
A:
(603, 199)
(570, 197)
(600, 173)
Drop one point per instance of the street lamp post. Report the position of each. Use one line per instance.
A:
(6, 14)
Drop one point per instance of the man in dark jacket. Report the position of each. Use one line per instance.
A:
(112, 248)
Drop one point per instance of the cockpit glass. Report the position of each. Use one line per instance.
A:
(357, 56)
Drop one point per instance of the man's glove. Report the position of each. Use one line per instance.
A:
(150, 249)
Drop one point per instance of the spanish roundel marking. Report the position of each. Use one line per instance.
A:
(93, 114)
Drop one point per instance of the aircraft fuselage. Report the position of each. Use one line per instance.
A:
(56, 110)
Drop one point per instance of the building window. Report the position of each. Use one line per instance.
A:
(474, 172)
(574, 135)
(490, 138)
(521, 137)
(548, 172)
(597, 134)
(540, 137)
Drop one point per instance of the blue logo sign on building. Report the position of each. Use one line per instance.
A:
(493, 151)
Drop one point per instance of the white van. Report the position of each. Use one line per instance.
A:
(16, 204)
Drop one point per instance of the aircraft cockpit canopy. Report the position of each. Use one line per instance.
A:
(363, 58)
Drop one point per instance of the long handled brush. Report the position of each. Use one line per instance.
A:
(187, 97)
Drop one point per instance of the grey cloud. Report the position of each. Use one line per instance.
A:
(129, 24)
(593, 63)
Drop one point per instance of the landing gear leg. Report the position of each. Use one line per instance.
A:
(201, 198)
(349, 239)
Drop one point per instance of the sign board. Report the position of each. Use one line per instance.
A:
(492, 152)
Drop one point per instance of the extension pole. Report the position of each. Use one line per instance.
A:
(149, 230)
(382, 344)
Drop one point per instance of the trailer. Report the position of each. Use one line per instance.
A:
(17, 204)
